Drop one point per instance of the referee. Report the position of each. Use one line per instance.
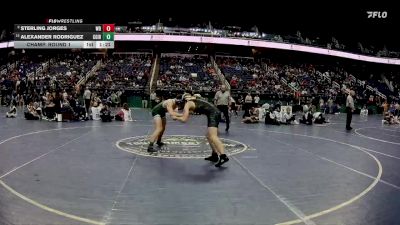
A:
(349, 109)
(222, 101)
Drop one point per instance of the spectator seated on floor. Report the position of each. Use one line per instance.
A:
(307, 116)
(96, 111)
(261, 113)
(396, 110)
(287, 117)
(265, 106)
(66, 109)
(105, 113)
(364, 111)
(273, 117)
(49, 110)
(264, 110)
(77, 108)
(319, 118)
(13, 111)
(125, 114)
(31, 113)
(390, 119)
(253, 117)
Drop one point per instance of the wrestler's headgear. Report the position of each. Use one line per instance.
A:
(180, 101)
(186, 96)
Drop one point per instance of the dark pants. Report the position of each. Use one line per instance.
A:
(349, 117)
(152, 103)
(246, 108)
(87, 105)
(30, 116)
(225, 111)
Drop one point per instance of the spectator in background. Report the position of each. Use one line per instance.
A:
(105, 113)
(321, 104)
(307, 116)
(385, 106)
(349, 109)
(31, 114)
(222, 101)
(247, 105)
(114, 100)
(272, 116)
(319, 118)
(240, 103)
(153, 98)
(390, 119)
(145, 98)
(233, 106)
(125, 114)
(13, 111)
(364, 111)
(396, 110)
(87, 96)
(253, 118)
(256, 100)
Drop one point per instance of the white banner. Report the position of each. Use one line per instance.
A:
(369, 88)
(327, 77)
(292, 87)
(381, 95)
(276, 75)
(45, 65)
(283, 80)
(11, 66)
(352, 78)
(335, 84)
(39, 70)
(361, 82)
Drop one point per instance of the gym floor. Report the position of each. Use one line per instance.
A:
(100, 173)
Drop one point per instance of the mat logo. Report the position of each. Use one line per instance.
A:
(179, 146)
(377, 14)
(182, 141)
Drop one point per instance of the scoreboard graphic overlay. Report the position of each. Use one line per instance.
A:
(67, 36)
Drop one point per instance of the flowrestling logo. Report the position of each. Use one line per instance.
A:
(377, 14)
(178, 146)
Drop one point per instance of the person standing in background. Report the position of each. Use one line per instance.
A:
(87, 96)
(248, 100)
(233, 106)
(349, 109)
(145, 98)
(256, 101)
(222, 101)
(153, 97)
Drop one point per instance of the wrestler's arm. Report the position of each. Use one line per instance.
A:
(186, 112)
(171, 111)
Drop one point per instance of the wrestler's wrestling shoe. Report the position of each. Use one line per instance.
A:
(160, 144)
(151, 149)
(212, 158)
(222, 159)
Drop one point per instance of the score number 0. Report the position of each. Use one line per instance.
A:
(108, 36)
(108, 32)
(108, 27)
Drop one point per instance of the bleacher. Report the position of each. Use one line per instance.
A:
(181, 71)
(123, 71)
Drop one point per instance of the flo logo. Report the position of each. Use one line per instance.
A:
(179, 146)
(377, 14)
